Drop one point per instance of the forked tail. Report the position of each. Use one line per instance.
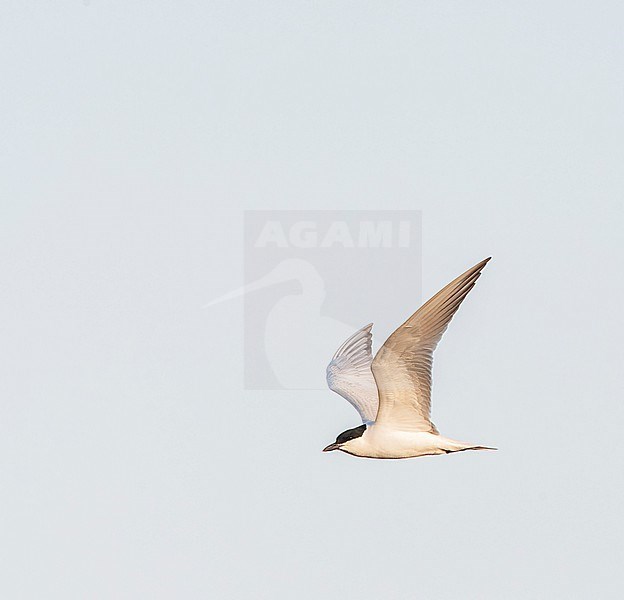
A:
(453, 446)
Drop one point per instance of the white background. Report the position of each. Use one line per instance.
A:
(134, 134)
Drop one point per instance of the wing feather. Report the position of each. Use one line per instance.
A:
(349, 373)
(402, 367)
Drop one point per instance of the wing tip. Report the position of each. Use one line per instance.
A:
(476, 270)
(361, 335)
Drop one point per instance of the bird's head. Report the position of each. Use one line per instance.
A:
(346, 438)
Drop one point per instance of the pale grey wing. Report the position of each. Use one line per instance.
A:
(349, 373)
(402, 367)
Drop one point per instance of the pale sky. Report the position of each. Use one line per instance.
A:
(134, 135)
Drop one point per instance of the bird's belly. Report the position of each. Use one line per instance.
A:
(402, 444)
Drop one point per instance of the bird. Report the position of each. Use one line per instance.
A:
(392, 392)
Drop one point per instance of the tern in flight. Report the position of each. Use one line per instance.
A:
(392, 392)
